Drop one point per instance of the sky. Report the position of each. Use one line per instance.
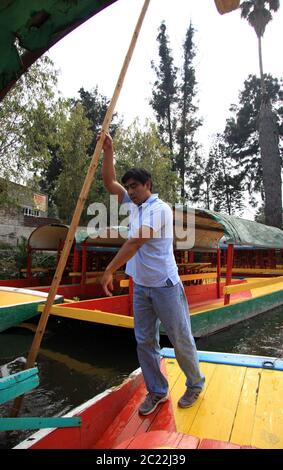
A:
(226, 53)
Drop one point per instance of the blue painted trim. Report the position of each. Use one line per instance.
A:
(17, 384)
(18, 389)
(261, 362)
(98, 249)
(13, 424)
(14, 379)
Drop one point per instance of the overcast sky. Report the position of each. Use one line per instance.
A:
(226, 54)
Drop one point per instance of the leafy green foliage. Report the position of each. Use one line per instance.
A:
(164, 92)
(95, 106)
(241, 131)
(258, 14)
(143, 148)
(173, 102)
(22, 142)
(188, 123)
(219, 186)
(75, 140)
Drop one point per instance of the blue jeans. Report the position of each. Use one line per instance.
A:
(169, 306)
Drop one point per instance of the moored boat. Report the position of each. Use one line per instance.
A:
(18, 305)
(215, 302)
(240, 407)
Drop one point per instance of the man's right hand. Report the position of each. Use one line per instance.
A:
(107, 283)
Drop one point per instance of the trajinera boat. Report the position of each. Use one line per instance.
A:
(18, 305)
(240, 407)
(215, 302)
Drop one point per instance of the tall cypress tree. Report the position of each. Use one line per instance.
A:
(188, 123)
(164, 93)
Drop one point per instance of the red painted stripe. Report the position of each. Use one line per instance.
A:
(125, 424)
(188, 442)
(119, 304)
(160, 439)
(214, 444)
(164, 419)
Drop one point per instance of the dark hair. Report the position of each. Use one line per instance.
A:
(138, 174)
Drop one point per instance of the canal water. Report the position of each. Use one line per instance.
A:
(79, 360)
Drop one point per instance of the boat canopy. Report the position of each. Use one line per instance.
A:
(48, 237)
(29, 28)
(199, 229)
(104, 237)
(211, 226)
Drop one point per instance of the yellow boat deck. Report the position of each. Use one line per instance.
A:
(263, 290)
(16, 298)
(241, 405)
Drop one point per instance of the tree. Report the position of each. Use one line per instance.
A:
(75, 140)
(259, 14)
(34, 94)
(241, 131)
(95, 105)
(164, 93)
(188, 123)
(219, 185)
(143, 148)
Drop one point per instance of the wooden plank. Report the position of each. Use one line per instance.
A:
(232, 359)
(11, 380)
(93, 316)
(198, 276)
(268, 425)
(184, 418)
(36, 270)
(244, 419)
(183, 277)
(252, 285)
(125, 424)
(215, 415)
(14, 390)
(15, 424)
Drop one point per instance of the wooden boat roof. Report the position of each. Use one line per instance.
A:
(48, 237)
(37, 25)
(205, 228)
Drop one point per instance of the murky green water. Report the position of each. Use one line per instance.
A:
(78, 360)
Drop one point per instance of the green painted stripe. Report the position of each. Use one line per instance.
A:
(13, 424)
(204, 323)
(18, 389)
(13, 379)
(12, 316)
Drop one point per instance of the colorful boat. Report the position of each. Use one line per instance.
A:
(215, 302)
(18, 305)
(240, 407)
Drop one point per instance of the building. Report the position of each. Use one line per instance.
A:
(21, 210)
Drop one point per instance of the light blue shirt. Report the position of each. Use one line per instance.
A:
(154, 262)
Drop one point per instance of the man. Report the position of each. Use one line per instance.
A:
(158, 292)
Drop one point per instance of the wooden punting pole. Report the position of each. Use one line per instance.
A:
(79, 207)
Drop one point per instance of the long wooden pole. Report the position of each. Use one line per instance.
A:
(79, 207)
